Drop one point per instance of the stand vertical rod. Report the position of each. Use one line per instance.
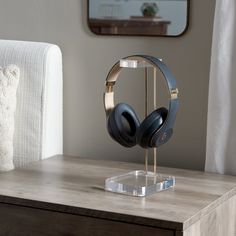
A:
(146, 111)
(155, 107)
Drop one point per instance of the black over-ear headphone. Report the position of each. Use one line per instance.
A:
(157, 128)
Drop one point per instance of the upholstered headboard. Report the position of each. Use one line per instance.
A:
(38, 117)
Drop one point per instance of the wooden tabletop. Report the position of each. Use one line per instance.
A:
(76, 185)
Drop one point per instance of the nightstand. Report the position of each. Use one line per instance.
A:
(65, 196)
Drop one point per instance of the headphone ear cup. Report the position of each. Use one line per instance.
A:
(123, 124)
(150, 125)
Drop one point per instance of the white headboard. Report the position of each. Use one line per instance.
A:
(38, 117)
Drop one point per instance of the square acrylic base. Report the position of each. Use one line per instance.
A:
(139, 183)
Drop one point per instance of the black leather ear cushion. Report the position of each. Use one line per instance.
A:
(123, 124)
(150, 125)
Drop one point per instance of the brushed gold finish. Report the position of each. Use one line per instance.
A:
(109, 104)
(109, 87)
(146, 111)
(155, 107)
(146, 91)
(114, 74)
(146, 159)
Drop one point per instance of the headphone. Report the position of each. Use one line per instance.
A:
(157, 128)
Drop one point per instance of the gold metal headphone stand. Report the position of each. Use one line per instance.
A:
(141, 183)
(146, 113)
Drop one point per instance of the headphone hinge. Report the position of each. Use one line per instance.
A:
(109, 86)
(174, 93)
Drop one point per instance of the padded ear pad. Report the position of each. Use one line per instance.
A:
(123, 124)
(150, 125)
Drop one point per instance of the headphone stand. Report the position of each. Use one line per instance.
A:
(141, 183)
(146, 113)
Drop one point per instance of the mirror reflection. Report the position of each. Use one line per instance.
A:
(138, 17)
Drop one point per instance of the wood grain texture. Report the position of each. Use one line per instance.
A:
(22, 221)
(221, 221)
(75, 185)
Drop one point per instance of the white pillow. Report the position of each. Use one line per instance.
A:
(9, 79)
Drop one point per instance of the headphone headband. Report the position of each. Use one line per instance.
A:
(116, 69)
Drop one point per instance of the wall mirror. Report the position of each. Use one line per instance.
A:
(138, 17)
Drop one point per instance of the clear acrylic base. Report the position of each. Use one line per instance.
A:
(139, 183)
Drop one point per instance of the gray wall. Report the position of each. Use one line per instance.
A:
(87, 59)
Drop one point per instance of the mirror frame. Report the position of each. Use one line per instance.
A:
(144, 35)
